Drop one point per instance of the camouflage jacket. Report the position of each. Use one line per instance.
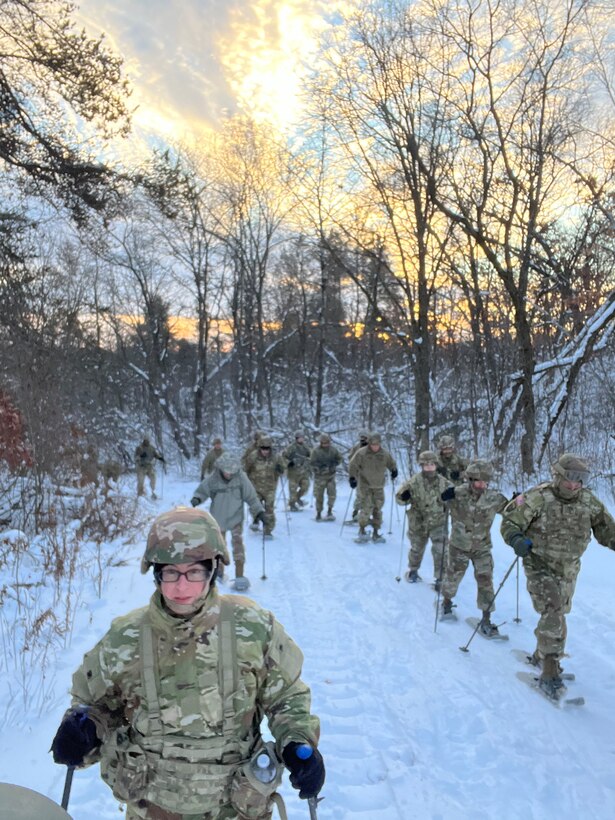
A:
(454, 464)
(264, 471)
(210, 460)
(370, 468)
(228, 497)
(145, 455)
(325, 461)
(560, 529)
(180, 750)
(472, 516)
(299, 455)
(426, 507)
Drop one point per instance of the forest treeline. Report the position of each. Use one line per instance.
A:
(432, 251)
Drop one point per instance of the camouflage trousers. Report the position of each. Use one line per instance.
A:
(298, 485)
(148, 811)
(419, 536)
(324, 483)
(552, 598)
(482, 561)
(238, 547)
(372, 502)
(267, 498)
(148, 471)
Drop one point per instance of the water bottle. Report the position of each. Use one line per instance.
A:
(264, 768)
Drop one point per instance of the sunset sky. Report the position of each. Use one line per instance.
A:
(193, 61)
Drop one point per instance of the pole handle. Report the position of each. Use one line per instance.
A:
(68, 782)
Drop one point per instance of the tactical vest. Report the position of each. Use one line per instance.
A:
(182, 774)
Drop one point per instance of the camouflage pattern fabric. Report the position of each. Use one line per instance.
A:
(143, 472)
(183, 535)
(560, 529)
(356, 504)
(239, 549)
(209, 462)
(472, 515)
(111, 472)
(370, 468)
(451, 464)
(180, 752)
(299, 474)
(324, 461)
(372, 502)
(323, 484)
(427, 519)
(264, 476)
(145, 456)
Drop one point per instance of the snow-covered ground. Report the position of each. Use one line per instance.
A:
(411, 726)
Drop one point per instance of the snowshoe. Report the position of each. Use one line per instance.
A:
(329, 516)
(294, 508)
(241, 584)
(486, 629)
(554, 694)
(532, 659)
(362, 538)
(268, 536)
(254, 527)
(301, 502)
(350, 522)
(377, 538)
(448, 613)
(318, 517)
(412, 576)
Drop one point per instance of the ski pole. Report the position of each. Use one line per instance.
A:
(68, 782)
(392, 500)
(304, 752)
(285, 505)
(517, 620)
(401, 554)
(347, 508)
(263, 576)
(508, 571)
(439, 584)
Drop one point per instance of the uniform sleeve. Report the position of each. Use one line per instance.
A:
(202, 491)
(603, 525)
(284, 697)
(519, 513)
(405, 486)
(502, 503)
(391, 463)
(355, 464)
(250, 497)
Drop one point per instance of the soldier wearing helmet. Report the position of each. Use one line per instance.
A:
(264, 467)
(473, 506)
(367, 471)
(427, 517)
(550, 527)
(150, 701)
(211, 457)
(145, 456)
(229, 489)
(324, 461)
(362, 442)
(251, 448)
(297, 456)
(450, 464)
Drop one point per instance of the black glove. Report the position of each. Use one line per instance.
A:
(394, 474)
(306, 775)
(75, 738)
(352, 481)
(521, 544)
(161, 458)
(290, 464)
(279, 469)
(448, 494)
(195, 501)
(260, 516)
(405, 496)
(455, 475)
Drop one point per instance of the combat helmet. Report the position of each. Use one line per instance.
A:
(479, 470)
(265, 441)
(428, 457)
(181, 536)
(228, 463)
(571, 467)
(446, 443)
(299, 434)
(374, 438)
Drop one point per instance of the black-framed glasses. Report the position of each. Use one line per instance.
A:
(265, 448)
(195, 575)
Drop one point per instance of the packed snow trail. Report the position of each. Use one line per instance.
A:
(411, 726)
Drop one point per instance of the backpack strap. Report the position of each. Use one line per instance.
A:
(150, 678)
(228, 675)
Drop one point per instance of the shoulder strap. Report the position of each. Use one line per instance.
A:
(150, 679)
(228, 674)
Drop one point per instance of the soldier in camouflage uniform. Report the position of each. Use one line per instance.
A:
(264, 468)
(251, 448)
(297, 457)
(450, 464)
(473, 507)
(362, 442)
(367, 471)
(145, 455)
(170, 701)
(550, 527)
(211, 457)
(229, 489)
(324, 461)
(427, 517)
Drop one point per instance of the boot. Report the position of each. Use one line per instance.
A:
(550, 681)
(330, 516)
(377, 538)
(362, 537)
(293, 507)
(319, 515)
(412, 576)
(486, 627)
(437, 585)
(447, 606)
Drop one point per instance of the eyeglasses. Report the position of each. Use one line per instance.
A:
(265, 448)
(170, 575)
(577, 476)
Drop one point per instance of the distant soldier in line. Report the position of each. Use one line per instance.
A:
(324, 461)
(450, 464)
(89, 467)
(297, 457)
(229, 489)
(367, 471)
(145, 455)
(550, 527)
(427, 517)
(211, 457)
(362, 442)
(264, 468)
(110, 471)
(473, 506)
(251, 448)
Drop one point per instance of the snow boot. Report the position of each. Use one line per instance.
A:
(330, 516)
(254, 526)
(447, 606)
(377, 538)
(154, 497)
(241, 583)
(293, 507)
(412, 576)
(550, 681)
(301, 502)
(318, 515)
(362, 537)
(437, 584)
(486, 627)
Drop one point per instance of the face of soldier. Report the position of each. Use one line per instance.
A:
(374, 448)
(181, 595)
(429, 468)
(299, 439)
(572, 486)
(225, 476)
(265, 451)
(218, 445)
(479, 486)
(447, 452)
